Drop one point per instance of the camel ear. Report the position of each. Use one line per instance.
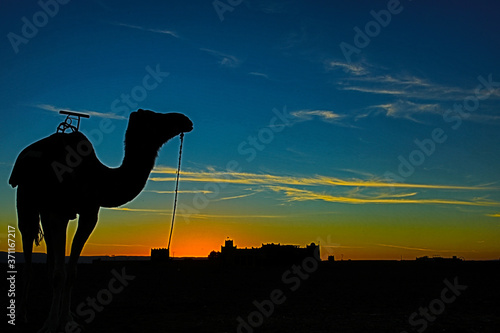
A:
(132, 115)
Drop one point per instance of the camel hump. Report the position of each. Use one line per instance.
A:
(51, 159)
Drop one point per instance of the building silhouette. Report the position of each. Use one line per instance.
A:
(438, 259)
(160, 255)
(267, 255)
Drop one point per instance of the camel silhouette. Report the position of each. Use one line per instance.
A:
(60, 176)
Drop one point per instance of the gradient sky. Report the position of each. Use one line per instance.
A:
(340, 165)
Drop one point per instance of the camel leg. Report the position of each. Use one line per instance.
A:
(28, 222)
(55, 238)
(27, 276)
(86, 224)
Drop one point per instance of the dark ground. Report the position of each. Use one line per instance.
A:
(199, 296)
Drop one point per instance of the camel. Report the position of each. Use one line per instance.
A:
(60, 177)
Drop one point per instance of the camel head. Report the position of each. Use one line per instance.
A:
(148, 127)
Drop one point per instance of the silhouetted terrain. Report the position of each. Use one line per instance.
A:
(355, 296)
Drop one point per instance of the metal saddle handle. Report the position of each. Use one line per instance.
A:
(68, 122)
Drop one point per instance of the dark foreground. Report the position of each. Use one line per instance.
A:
(198, 296)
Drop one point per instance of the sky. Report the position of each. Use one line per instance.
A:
(369, 127)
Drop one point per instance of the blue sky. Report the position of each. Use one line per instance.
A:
(349, 120)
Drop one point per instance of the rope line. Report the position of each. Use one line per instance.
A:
(176, 191)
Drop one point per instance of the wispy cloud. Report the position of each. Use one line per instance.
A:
(181, 191)
(140, 210)
(354, 69)
(324, 115)
(408, 95)
(229, 216)
(404, 247)
(197, 215)
(318, 188)
(223, 58)
(244, 178)
(398, 80)
(236, 196)
(484, 118)
(332, 189)
(406, 109)
(295, 194)
(259, 74)
(409, 86)
(53, 108)
(417, 248)
(375, 90)
(493, 215)
(159, 31)
(269, 7)
(294, 39)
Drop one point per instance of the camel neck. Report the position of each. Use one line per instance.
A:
(124, 183)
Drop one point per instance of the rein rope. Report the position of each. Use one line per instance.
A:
(176, 192)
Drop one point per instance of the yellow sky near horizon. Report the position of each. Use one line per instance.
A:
(357, 218)
(348, 237)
